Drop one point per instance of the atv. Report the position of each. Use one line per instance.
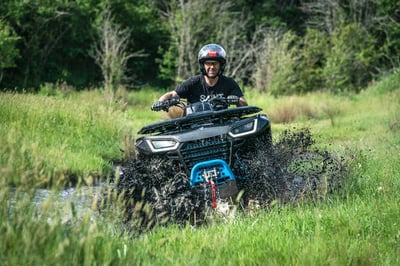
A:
(196, 162)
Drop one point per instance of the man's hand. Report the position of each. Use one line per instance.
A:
(168, 95)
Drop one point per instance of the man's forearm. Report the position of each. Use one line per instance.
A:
(168, 95)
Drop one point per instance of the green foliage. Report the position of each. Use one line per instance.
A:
(141, 18)
(350, 59)
(273, 14)
(8, 51)
(56, 37)
(59, 89)
(168, 64)
(188, 35)
(311, 52)
(342, 62)
(54, 42)
(110, 52)
(275, 67)
(386, 31)
(388, 83)
(49, 41)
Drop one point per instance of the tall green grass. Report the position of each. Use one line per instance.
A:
(358, 225)
(55, 139)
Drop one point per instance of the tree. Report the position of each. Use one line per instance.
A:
(53, 41)
(353, 53)
(193, 23)
(386, 31)
(276, 62)
(311, 50)
(190, 27)
(111, 54)
(55, 37)
(8, 50)
(350, 59)
(323, 15)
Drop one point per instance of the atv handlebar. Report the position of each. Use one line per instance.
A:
(158, 106)
(232, 99)
(217, 103)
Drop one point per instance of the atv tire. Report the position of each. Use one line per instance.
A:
(162, 193)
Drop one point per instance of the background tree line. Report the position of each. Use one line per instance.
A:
(277, 46)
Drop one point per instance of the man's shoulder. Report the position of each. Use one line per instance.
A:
(195, 78)
(228, 79)
(189, 83)
(192, 80)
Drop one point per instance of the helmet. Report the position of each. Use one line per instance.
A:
(212, 52)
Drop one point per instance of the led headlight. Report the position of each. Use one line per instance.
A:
(159, 145)
(244, 129)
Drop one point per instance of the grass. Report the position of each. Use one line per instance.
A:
(359, 225)
(78, 135)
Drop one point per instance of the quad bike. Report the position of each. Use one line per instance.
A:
(188, 164)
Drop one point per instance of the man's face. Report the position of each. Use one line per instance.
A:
(212, 68)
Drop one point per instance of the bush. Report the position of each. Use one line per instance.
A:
(350, 59)
(311, 51)
(275, 66)
(8, 52)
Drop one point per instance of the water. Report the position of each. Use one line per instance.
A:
(70, 204)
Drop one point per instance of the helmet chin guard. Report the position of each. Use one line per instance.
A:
(212, 52)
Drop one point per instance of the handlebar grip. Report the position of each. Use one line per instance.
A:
(158, 106)
(232, 99)
(173, 101)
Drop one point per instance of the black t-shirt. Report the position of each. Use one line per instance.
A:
(196, 89)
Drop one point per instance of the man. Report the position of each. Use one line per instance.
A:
(211, 82)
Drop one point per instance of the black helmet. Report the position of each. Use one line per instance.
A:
(212, 52)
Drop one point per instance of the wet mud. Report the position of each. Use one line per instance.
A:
(292, 170)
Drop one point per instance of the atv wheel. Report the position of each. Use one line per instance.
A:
(156, 195)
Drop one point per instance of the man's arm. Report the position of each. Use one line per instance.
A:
(168, 95)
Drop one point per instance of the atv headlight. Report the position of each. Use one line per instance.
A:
(159, 145)
(244, 129)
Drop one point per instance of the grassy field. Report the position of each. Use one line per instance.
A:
(54, 140)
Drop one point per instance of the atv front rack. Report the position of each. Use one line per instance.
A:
(216, 170)
(215, 178)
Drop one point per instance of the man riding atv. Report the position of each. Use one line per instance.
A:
(214, 156)
(187, 165)
(211, 82)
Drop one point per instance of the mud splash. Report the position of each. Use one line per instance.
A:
(293, 171)
(290, 171)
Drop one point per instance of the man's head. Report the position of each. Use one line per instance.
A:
(212, 60)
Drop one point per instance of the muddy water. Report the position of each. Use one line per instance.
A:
(289, 172)
(74, 203)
